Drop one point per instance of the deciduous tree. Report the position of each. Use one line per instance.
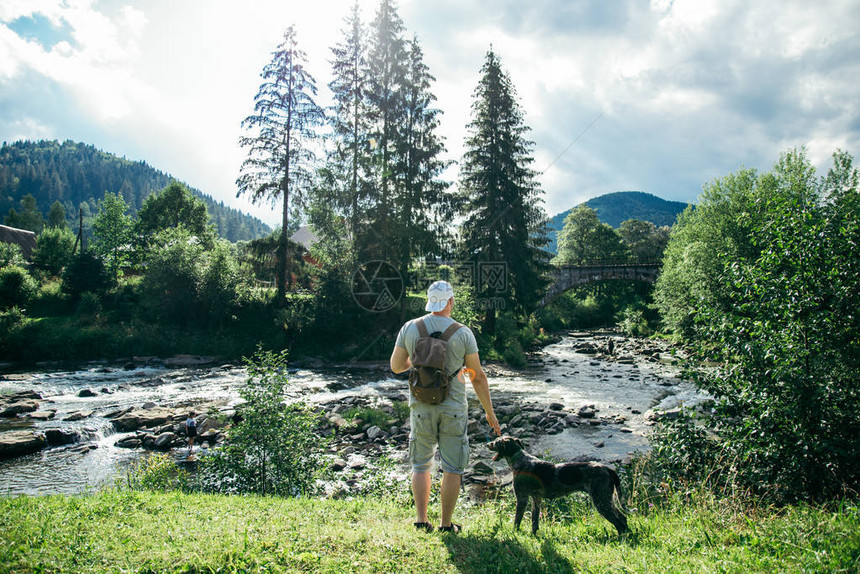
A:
(112, 233)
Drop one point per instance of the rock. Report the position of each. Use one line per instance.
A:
(516, 420)
(165, 440)
(357, 462)
(128, 442)
(348, 451)
(626, 430)
(210, 436)
(80, 415)
(42, 415)
(20, 406)
(374, 432)
(117, 413)
(19, 443)
(129, 366)
(587, 412)
(188, 361)
(21, 395)
(572, 419)
(139, 418)
(337, 465)
(600, 444)
(556, 407)
(86, 393)
(481, 467)
(57, 437)
(82, 448)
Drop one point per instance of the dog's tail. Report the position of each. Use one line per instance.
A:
(616, 483)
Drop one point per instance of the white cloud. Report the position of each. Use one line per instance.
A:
(688, 90)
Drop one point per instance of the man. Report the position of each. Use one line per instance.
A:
(444, 424)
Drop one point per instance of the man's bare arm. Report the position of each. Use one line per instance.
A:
(400, 360)
(482, 389)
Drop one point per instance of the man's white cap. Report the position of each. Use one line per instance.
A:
(437, 296)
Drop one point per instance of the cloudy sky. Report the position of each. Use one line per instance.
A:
(660, 97)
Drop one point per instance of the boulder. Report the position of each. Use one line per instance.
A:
(13, 409)
(481, 467)
(587, 412)
(128, 442)
(139, 418)
(86, 393)
(80, 415)
(165, 440)
(19, 443)
(337, 465)
(58, 437)
(42, 415)
(374, 432)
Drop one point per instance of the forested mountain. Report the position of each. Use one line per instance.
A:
(616, 208)
(78, 175)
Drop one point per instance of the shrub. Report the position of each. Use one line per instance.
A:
(85, 273)
(10, 254)
(53, 250)
(274, 449)
(17, 288)
(157, 472)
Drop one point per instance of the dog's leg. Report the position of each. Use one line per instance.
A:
(521, 509)
(601, 496)
(535, 513)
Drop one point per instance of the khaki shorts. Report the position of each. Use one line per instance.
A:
(442, 425)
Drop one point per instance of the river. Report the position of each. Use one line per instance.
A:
(621, 386)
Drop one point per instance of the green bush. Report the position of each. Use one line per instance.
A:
(10, 254)
(53, 250)
(85, 273)
(274, 449)
(786, 334)
(157, 472)
(17, 288)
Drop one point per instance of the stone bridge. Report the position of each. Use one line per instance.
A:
(569, 276)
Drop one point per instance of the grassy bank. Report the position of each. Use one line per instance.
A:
(149, 532)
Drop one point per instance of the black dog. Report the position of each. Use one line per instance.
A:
(541, 479)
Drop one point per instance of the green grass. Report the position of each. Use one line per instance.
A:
(129, 531)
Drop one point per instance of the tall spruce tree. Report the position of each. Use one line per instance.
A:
(504, 230)
(281, 130)
(423, 206)
(349, 161)
(385, 85)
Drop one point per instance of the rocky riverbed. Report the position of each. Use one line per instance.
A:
(590, 396)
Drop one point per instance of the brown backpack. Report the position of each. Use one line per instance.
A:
(428, 379)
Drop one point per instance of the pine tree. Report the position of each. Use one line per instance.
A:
(504, 230)
(280, 156)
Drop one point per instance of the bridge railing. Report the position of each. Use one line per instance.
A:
(615, 263)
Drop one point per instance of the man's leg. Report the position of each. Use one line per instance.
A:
(421, 494)
(450, 492)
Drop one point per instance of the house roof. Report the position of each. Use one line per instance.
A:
(304, 237)
(26, 240)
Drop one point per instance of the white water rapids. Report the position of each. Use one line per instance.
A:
(564, 376)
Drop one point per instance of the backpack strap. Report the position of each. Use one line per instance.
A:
(422, 328)
(449, 332)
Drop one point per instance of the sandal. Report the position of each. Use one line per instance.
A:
(454, 528)
(425, 526)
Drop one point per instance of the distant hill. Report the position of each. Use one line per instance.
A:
(75, 174)
(616, 208)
